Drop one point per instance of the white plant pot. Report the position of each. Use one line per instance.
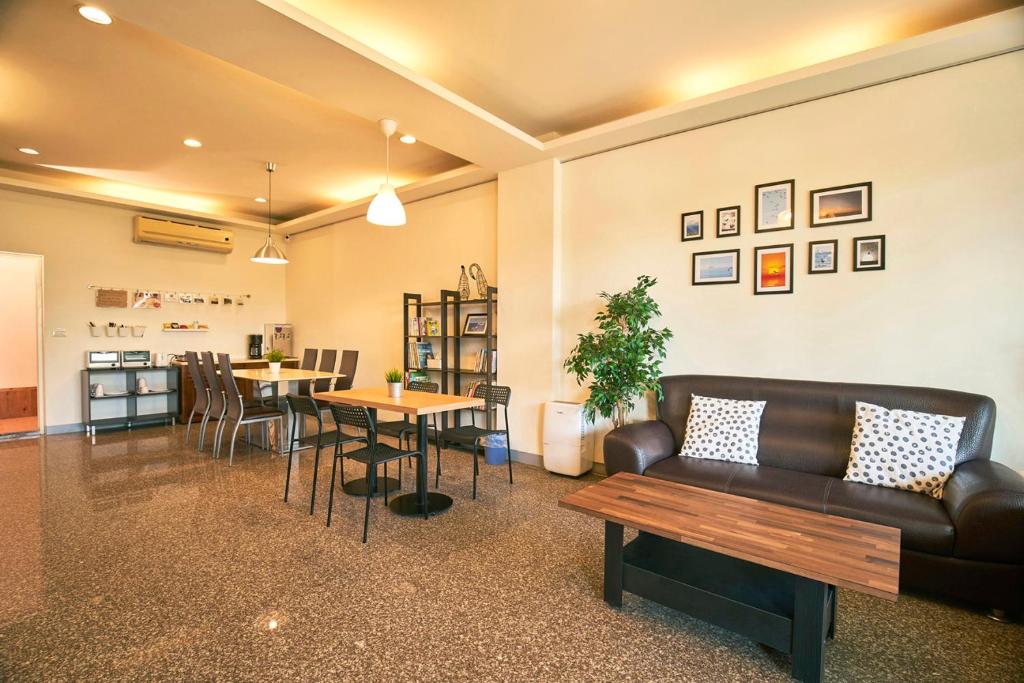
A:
(275, 368)
(394, 389)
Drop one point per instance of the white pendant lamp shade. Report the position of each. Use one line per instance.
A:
(269, 253)
(386, 209)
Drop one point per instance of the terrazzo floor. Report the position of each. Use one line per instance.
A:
(138, 559)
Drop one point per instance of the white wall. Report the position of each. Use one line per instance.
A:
(85, 244)
(945, 152)
(19, 332)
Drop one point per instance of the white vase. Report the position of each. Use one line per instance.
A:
(394, 389)
(275, 368)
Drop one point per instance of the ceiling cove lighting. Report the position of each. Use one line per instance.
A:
(191, 142)
(386, 209)
(261, 200)
(95, 15)
(407, 139)
(269, 253)
(29, 150)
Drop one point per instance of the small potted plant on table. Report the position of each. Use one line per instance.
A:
(274, 358)
(394, 379)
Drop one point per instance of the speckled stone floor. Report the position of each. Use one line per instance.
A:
(137, 559)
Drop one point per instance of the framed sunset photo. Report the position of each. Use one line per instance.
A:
(773, 206)
(843, 204)
(773, 269)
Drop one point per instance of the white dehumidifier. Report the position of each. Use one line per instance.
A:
(568, 445)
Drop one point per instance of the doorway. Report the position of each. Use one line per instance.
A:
(21, 292)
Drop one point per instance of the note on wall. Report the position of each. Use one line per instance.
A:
(112, 298)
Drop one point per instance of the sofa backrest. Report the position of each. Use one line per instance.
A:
(807, 426)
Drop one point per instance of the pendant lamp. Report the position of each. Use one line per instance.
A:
(386, 209)
(269, 253)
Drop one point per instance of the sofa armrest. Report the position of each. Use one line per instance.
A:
(637, 446)
(985, 500)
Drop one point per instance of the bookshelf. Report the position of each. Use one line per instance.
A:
(449, 344)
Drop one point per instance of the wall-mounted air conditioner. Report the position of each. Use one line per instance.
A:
(174, 234)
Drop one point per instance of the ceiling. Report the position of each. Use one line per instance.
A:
(485, 86)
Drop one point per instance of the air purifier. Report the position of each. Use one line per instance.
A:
(568, 444)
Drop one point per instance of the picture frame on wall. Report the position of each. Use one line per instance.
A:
(475, 325)
(715, 267)
(773, 206)
(822, 257)
(869, 253)
(693, 225)
(773, 269)
(728, 222)
(841, 204)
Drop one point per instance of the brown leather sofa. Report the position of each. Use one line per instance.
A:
(969, 545)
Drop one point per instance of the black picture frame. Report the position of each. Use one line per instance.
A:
(682, 225)
(718, 221)
(476, 317)
(865, 189)
(736, 267)
(810, 257)
(757, 260)
(879, 263)
(792, 206)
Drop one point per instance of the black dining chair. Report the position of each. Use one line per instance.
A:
(349, 361)
(406, 429)
(308, 363)
(303, 407)
(217, 405)
(201, 404)
(470, 434)
(238, 412)
(372, 454)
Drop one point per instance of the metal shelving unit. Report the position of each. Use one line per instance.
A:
(131, 416)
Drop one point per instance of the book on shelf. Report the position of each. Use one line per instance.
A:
(419, 353)
(424, 327)
(469, 392)
(481, 361)
(416, 376)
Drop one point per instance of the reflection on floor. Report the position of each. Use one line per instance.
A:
(15, 425)
(138, 558)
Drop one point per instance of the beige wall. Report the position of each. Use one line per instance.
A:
(345, 281)
(19, 332)
(85, 244)
(945, 152)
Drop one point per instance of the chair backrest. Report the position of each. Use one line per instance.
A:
(212, 381)
(327, 359)
(308, 359)
(231, 394)
(355, 416)
(202, 401)
(427, 387)
(303, 405)
(493, 393)
(349, 360)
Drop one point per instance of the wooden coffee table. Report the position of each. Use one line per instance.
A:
(763, 570)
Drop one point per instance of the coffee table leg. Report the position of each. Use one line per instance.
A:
(809, 622)
(834, 601)
(613, 564)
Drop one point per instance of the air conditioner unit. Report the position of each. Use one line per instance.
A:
(173, 234)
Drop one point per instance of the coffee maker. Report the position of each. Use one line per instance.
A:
(255, 346)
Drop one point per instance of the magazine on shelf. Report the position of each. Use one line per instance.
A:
(424, 327)
(416, 376)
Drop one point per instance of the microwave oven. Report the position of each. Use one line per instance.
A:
(136, 359)
(102, 359)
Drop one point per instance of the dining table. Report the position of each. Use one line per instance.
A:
(414, 404)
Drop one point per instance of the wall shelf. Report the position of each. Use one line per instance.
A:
(206, 330)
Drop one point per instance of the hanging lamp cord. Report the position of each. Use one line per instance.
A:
(270, 195)
(387, 159)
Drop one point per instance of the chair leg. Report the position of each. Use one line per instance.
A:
(371, 484)
(202, 431)
(188, 430)
(386, 480)
(217, 434)
(291, 451)
(476, 468)
(330, 497)
(231, 451)
(508, 456)
(316, 469)
(399, 474)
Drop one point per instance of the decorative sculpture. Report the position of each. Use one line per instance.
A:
(481, 280)
(464, 284)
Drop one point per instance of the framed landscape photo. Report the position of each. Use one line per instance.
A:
(869, 253)
(773, 269)
(773, 206)
(822, 256)
(843, 204)
(693, 226)
(728, 222)
(716, 267)
(475, 325)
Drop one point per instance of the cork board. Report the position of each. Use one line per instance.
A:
(112, 298)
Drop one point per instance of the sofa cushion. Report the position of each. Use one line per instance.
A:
(785, 487)
(708, 474)
(722, 429)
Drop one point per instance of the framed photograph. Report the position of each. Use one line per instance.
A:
(693, 226)
(145, 299)
(869, 253)
(843, 204)
(199, 298)
(728, 222)
(822, 256)
(475, 325)
(773, 269)
(716, 267)
(773, 206)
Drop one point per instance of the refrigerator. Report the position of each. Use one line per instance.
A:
(278, 336)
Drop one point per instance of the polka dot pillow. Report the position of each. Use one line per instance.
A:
(903, 449)
(722, 429)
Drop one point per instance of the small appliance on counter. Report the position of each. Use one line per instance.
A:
(278, 337)
(97, 360)
(136, 359)
(162, 360)
(255, 346)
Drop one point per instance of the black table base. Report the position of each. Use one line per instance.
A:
(408, 505)
(357, 487)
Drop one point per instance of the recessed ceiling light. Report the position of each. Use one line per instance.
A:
(28, 150)
(95, 15)
(261, 200)
(408, 139)
(192, 142)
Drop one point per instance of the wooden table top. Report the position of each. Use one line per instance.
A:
(410, 402)
(283, 375)
(835, 550)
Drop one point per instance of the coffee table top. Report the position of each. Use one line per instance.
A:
(843, 552)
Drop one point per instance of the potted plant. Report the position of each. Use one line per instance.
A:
(624, 357)
(394, 379)
(274, 358)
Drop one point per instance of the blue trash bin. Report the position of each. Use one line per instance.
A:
(494, 449)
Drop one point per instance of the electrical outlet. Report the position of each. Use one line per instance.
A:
(59, 332)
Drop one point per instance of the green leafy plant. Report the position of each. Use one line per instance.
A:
(624, 357)
(393, 376)
(275, 356)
